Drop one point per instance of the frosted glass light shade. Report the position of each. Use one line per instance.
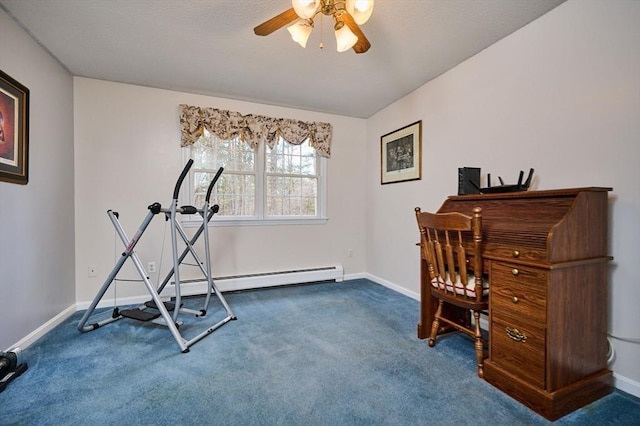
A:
(360, 10)
(306, 9)
(345, 38)
(300, 32)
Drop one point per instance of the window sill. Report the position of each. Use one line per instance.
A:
(218, 221)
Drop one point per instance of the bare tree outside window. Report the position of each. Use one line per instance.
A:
(292, 184)
(235, 191)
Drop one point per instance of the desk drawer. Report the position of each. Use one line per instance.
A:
(519, 292)
(519, 349)
(523, 253)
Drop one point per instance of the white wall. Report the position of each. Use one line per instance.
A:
(128, 156)
(561, 95)
(36, 220)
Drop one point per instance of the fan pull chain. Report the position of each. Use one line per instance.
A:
(321, 32)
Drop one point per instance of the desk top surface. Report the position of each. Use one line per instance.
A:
(547, 193)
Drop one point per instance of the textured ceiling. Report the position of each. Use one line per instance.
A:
(208, 47)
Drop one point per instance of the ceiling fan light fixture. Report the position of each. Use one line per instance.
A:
(299, 22)
(300, 32)
(306, 9)
(360, 10)
(345, 38)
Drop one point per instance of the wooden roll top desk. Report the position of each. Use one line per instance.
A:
(545, 254)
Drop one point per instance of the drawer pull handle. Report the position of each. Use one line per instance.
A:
(515, 299)
(516, 253)
(515, 271)
(515, 334)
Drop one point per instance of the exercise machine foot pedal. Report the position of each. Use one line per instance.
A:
(139, 315)
(169, 306)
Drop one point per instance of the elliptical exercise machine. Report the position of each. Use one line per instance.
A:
(156, 310)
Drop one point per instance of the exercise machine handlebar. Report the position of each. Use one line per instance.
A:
(213, 182)
(187, 166)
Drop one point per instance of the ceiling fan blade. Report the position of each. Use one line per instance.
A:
(275, 23)
(362, 45)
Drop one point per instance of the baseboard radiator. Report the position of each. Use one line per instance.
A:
(190, 287)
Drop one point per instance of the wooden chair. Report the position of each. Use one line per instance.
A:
(455, 272)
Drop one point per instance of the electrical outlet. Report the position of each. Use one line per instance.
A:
(92, 271)
(350, 253)
(151, 267)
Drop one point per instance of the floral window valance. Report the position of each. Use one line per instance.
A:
(252, 128)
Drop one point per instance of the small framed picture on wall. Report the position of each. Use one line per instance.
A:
(401, 154)
(14, 130)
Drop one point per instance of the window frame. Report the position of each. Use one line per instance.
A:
(260, 218)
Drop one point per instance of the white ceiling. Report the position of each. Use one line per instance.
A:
(208, 47)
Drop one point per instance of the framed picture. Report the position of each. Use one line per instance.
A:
(14, 131)
(401, 154)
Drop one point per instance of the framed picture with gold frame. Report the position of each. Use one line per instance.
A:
(14, 130)
(401, 154)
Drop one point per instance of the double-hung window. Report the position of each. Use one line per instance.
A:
(261, 185)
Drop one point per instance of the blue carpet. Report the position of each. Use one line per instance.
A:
(323, 354)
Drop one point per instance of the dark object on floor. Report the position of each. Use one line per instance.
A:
(10, 367)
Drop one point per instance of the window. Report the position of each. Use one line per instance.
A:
(265, 185)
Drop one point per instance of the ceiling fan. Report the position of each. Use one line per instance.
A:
(347, 14)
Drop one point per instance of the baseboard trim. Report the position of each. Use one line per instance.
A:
(191, 287)
(32, 337)
(195, 287)
(358, 276)
(626, 385)
(392, 286)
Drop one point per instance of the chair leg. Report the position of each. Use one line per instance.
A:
(435, 325)
(478, 344)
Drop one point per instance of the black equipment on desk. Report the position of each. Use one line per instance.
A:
(469, 182)
(507, 188)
